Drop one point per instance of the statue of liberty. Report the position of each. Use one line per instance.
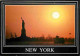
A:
(23, 23)
(23, 31)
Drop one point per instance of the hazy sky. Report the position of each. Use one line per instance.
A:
(39, 20)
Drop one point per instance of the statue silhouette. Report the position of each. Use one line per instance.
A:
(23, 31)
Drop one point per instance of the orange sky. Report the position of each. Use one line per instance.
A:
(39, 21)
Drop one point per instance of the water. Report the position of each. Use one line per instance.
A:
(38, 43)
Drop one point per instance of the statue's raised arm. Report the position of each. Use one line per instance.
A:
(21, 18)
(23, 23)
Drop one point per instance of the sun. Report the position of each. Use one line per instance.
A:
(55, 15)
